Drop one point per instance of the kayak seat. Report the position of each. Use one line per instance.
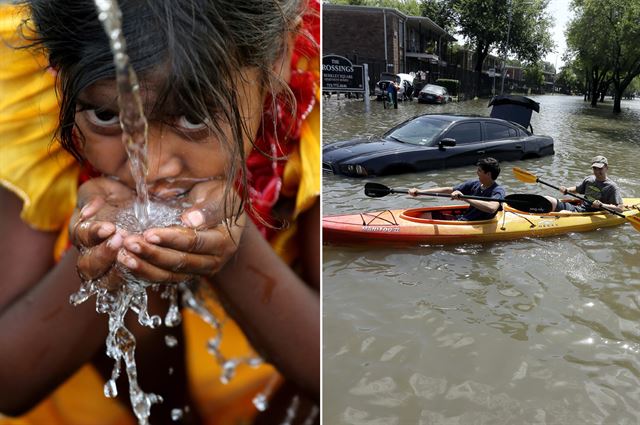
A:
(436, 214)
(446, 214)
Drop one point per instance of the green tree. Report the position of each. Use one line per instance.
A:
(604, 37)
(587, 38)
(533, 76)
(442, 12)
(408, 7)
(633, 89)
(519, 27)
(567, 80)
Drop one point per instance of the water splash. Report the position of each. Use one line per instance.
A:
(132, 296)
(194, 300)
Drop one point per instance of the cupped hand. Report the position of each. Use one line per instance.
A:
(456, 194)
(209, 237)
(92, 229)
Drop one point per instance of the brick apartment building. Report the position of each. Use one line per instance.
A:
(386, 39)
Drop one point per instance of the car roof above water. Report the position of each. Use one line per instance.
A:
(450, 117)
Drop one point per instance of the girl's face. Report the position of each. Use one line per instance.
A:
(181, 151)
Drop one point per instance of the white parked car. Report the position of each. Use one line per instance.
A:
(404, 80)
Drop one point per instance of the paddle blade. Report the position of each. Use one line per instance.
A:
(524, 175)
(534, 204)
(635, 222)
(376, 190)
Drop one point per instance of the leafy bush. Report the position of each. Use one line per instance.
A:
(452, 86)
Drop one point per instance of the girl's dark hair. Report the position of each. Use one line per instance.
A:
(197, 47)
(490, 165)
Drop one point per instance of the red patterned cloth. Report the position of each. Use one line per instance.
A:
(266, 163)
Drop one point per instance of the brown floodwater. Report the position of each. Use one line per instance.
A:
(533, 331)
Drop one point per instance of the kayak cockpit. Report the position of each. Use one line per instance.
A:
(440, 215)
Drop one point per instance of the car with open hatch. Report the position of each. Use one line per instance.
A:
(404, 81)
(437, 141)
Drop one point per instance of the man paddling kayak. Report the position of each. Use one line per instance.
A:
(598, 188)
(486, 186)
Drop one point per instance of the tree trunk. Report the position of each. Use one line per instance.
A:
(617, 100)
(620, 85)
(595, 84)
(587, 87)
(481, 54)
(618, 88)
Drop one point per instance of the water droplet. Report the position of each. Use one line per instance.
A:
(170, 340)
(176, 414)
(213, 345)
(228, 371)
(261, 402)
(79, 297)
(255, 361)
(173, 317)
(155, 321)
(110, 389)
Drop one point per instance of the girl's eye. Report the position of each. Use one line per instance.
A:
(192, 123)
(102, 118)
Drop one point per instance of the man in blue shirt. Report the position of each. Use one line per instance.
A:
(486, 186)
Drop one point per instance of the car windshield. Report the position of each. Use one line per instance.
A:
(419, 131)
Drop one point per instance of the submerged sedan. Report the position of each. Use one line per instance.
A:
(436, 141)
(434, 94)
(430, 142)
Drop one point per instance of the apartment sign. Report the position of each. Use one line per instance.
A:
(340, 75)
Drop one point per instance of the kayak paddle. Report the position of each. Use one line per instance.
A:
(527, 177)
(522, 202)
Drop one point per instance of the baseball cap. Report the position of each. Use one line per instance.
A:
(599, 161)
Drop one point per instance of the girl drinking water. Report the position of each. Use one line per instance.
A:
(232, 131)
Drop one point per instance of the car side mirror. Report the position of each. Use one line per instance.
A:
(446, 142)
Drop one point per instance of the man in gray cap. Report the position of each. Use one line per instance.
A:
(598, 188)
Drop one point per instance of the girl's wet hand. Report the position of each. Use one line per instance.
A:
(91, 229)
(201, 247)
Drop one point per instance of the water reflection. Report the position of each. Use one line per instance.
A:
(527, 331)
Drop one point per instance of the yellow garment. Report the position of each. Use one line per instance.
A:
(39, 171)
(46, 178)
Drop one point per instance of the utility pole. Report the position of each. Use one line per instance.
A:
(504, 55)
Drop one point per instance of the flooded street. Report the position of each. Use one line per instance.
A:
(534, 331)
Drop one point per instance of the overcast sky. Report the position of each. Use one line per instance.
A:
(559, 9)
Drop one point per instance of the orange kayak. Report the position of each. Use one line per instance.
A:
(435, 225)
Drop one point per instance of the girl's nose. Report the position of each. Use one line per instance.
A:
(163, 155)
